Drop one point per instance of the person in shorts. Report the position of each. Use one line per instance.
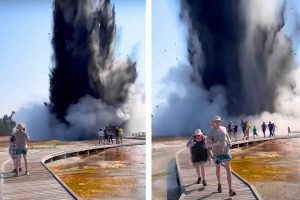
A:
(21, 147)
(110, 135)
(243, 125)
(120, 134)
(13, 152)
(235, 131)
(230, 128)
(221, 144)
(100, 134)
(199, 154)
(106, 136)
(270, 126)
(248, 127)
(254, 132)
(264, 128)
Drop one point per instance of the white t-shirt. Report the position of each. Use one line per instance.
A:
(100, 133)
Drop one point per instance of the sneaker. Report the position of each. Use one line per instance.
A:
(199, 180)
(204, 183)
(17, 174)
(232, 193)
(219, 188)
(27, 173)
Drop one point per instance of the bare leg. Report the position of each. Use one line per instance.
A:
(218, 173)
(18, 165)
(203, 174)
(20, 160)
(15, 163)
(228, 171)
(235, 136)
(25, 160)
(198, 171)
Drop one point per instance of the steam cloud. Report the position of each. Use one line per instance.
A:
(241, 66)
(89, 89)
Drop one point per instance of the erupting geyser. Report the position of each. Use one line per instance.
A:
(84, 64)
(240, 66)
(241, 46)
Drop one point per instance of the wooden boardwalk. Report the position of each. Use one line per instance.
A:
(187, 177)
(40, 184)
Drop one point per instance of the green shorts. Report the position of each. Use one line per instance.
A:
(221, 158)
(22, 151)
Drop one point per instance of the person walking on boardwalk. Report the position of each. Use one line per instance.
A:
(116, 132)
(221, 144)
(264, 128)
(110, 136)
(199, 154)
(274, 129)
(230, 128)
(289, 131)
(235, 131)
(270, 126)
(254, 132)
(13, 152)
(101, 136)
(106, 136)
(121, 133)
(22, 149)
(248, 127)
(243, 125)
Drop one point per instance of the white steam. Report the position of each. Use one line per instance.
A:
(85, 118)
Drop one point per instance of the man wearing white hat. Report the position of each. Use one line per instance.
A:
(220, 141)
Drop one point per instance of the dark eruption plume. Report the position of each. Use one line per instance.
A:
(84, 64)
(248, 56)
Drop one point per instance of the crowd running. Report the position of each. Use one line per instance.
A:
(109, 134)
(246, 128)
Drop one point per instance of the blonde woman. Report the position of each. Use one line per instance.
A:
(199, 154)
(22, 149)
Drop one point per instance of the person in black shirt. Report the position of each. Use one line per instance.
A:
(263, 128)
(235, 131)
(243, 125)
(199, 154)
(270, 126)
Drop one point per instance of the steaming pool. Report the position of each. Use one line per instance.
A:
(273, 167)
(117, 173)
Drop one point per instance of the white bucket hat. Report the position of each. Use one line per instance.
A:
(198, 132)
(217, 118)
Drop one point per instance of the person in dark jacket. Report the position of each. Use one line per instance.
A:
(264, 128)
(270, 126)
(199, 154)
